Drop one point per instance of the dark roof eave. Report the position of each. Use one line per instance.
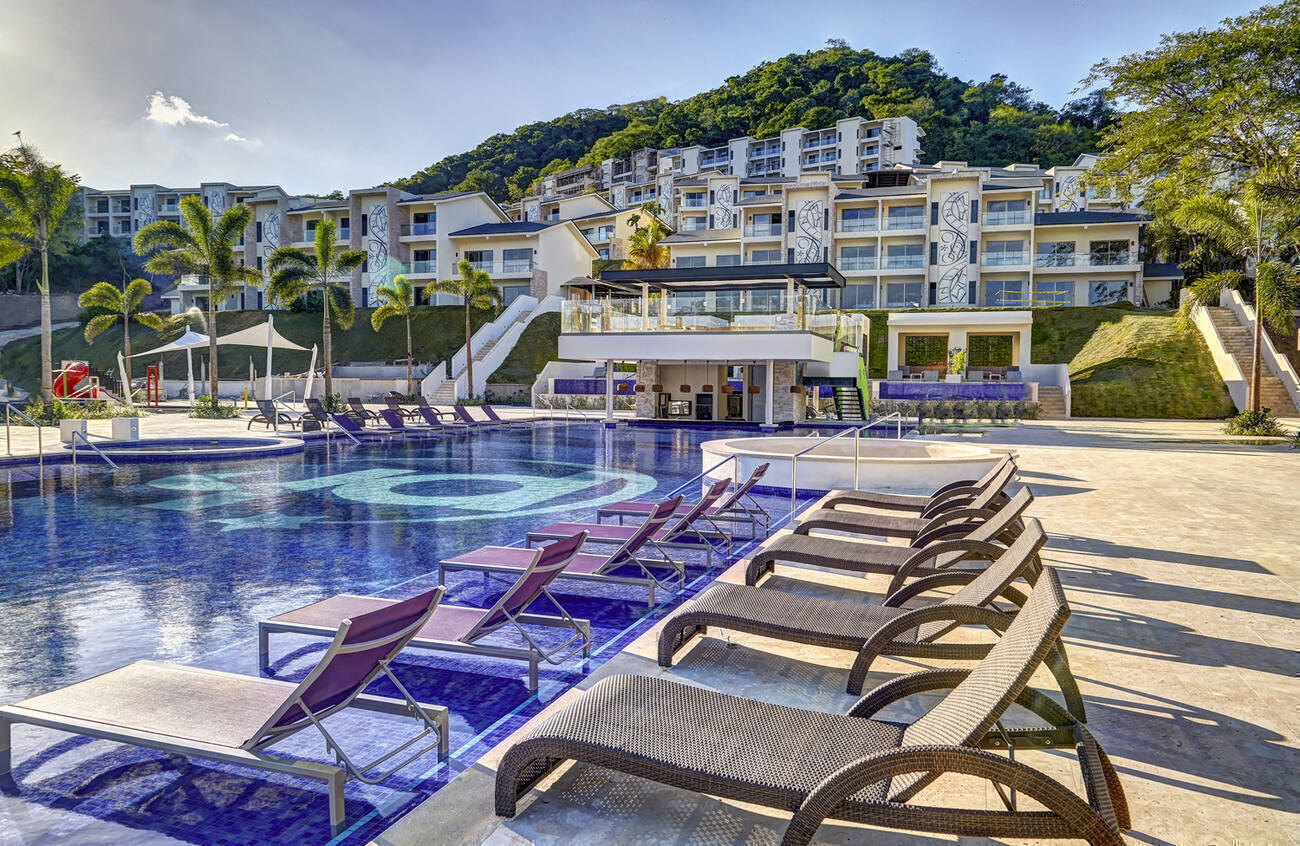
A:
(809, 275)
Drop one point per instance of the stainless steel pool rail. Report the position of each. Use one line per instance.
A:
(78, 434)
(893, 415)
(701, 476)
(794, 459)
(40, 433)
(279, 401)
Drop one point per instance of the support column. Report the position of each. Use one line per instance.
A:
(789, 296)
(768, 395)
(609, 392)
(645, 307)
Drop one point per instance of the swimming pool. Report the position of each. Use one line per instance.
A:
(178, 562)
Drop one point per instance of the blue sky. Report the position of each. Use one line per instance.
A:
(324, 95)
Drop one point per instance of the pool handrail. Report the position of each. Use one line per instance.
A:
(794, 459)
(40, 437)
(696, 478)
(77, 433)
(893, 415)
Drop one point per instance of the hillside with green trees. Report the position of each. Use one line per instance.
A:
(984, 123)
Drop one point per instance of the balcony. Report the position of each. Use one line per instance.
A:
(428, 267)
(1008, 218)
(693, 203)
(342, 233)
(857, 263)
(904, 223)
(1011, 259)
(870, 152)
(765, 154)
(693, 314)
(776, 260)
(904, 262)
(762, 230)
(511, 267)
(419, 229)
(598, 236)
(857, 224)
(1051, 260)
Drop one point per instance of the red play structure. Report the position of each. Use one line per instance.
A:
(69, 376)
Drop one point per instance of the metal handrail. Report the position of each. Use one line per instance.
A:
(684, 485)
(794, 461)
(893, 415)
(40, 437)
(79, 434)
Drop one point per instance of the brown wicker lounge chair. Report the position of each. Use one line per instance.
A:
(928, 554)
(850, 767)
(866, 628)
(949, 496)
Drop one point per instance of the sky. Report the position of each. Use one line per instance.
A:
(316, 96)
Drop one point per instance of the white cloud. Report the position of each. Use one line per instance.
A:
(175, 111)
(238, 138)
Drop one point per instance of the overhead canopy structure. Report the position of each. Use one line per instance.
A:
(819, 274)
(262, 335)
(187, 341)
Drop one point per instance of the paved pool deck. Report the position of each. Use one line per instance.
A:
(1178, 554)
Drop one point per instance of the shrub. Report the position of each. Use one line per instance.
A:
(212, 408)
(48, 414)
(956, 361)
(334, 403)
(942, 410)
(1257, 423)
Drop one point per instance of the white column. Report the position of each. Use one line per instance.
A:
(270, 333)
(789, 296)
(189, 361)
(609, 390)
(645, 306)
(767, 409)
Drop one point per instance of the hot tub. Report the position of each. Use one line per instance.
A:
(189, 449)
(909, 465)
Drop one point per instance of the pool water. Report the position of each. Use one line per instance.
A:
(178, 562)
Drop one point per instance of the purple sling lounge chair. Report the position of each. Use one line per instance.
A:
(235, 718)
(454, 628)
(732, 508)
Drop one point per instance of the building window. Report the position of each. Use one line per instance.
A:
(904, 294)
(259, 232)
(694, 223)
(1107, 293)
(690, 261)
(517, 261)
(904, 255)
(859, 296)
(365, 224)
(1004, 212)
(1055, 254)
(764, 256)
(1003, 293)
(1053, 293)
(259, 262)
(510, 293)
(858, 258)
(1106, 253)
(731, 260)
(906, 217)
(1004, 253)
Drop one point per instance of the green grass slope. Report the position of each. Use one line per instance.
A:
(538, 344)
(1125, 363)
(436, 333)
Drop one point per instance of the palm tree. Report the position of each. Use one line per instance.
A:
(1259, 232)
(398, 300)
(202, 247)
(296, 272)
(115, 304)
(476, 290)
(34, 194)
(644, 252)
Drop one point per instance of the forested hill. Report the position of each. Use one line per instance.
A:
(986, 123)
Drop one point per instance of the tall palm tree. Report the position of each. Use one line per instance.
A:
(398, 300)
(296, 272)
(644, 252)
(476, 290)
(203, 247)
(34, 195)
(1259, 232)
(115, 304)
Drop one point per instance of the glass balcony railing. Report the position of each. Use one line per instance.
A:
(857, 263)
(425, 266)
(857, 224)
(693, 203)
(765, 260)
(598, 236)
(895, 223)
(504, 267)
(760, 230)
(343, 233)
(903, 262)
(427, 228)
(1114, 259)
(697, 313)
(1008, 259)
(1008, 218)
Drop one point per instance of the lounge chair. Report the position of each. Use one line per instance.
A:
(454, 628)
(955, 493)
(434, 422)
(394, 403)
(395, 423)
(493, 417)
(851, 767)
(681, 533)
(353, 428)
(894, 376)
(946, 519)
(359, 411)
(586, 566)
(982, 540)
(869, 629)
(270, 415)
(736, 507)
(463, 415)
(233, 718)
(929, 375)
(316, 410)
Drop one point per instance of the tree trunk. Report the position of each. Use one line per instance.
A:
(47, 338)
(325, 344)
(410, 366)
(469, 356)
(1255, 363)
(212, 341)
(126, 353)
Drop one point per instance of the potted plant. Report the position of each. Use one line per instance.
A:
(956, 364)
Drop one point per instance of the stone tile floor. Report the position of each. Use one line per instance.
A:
(1179, 560)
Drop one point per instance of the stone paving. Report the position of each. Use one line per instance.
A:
(1178, 557)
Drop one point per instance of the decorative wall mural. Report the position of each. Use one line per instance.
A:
(808, 244)
(619, 196)
(665, 196)
(724, 206)
(377, 249)
(532, 211)
(1068, 198)
(216, 202)
(143, 203)
(954, 249)
(270, 233)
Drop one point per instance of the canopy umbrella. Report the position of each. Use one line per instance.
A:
(256, 336)
(187, 342)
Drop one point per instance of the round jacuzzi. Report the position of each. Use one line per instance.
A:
(190, 449)
(907, 465)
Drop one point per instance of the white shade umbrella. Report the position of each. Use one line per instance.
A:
(262, 334)
(187, 342)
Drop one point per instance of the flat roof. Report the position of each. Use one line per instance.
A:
(972, 317)
(748, 277)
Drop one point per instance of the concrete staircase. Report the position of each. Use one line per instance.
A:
(1240, 345)
(1051, 402)
(446, 393)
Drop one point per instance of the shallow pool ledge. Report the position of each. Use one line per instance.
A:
(882, 464)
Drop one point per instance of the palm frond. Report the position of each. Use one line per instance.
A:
(98, 324)
(162, 233)
(348, 261)
(381, 314)
(342, 309)
(285, 257)
(136, 291)
(233, 222)
(289, 282)
(1277, 295)
(1205, 292)
(151, 319)
(176, 263)
(101, 295)
(1223, 220)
